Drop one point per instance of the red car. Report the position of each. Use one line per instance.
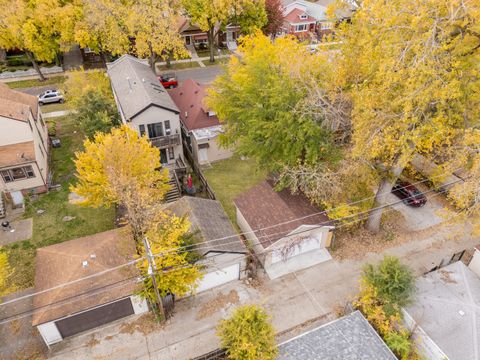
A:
(410, 195)
(169, 81)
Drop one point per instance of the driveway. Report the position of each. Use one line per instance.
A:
(434, 212)
(37, 90)
(18, 339)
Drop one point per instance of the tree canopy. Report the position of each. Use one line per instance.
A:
(274, 11)
(262, 100)
(248, 334)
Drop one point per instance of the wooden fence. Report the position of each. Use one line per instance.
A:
(198, 171)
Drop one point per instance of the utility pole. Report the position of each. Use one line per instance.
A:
(152, 269)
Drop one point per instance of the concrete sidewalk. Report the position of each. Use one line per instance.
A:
(292, 300)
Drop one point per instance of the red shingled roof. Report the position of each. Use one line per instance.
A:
(263, 207)
(189, 99)
(293, 17)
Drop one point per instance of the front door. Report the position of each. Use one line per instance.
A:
(187, 40)
(163, 156)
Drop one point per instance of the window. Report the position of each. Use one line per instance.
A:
(168, 131)
(325, 26)
(171, 153)
(303, 16)
(25, 172)
(141, 128)
(302, 27)
(155, 130)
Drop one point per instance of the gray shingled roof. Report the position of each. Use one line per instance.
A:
(208, 217)
(136, 87)
(447, 308)
(348, 338)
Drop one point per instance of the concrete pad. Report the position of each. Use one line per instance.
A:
(298, 262)
(22, 230)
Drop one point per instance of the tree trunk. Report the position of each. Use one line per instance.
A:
(103, 57)
(35, 65)
(152, 58)
(386, 184)
(211, 44)
(168, 61)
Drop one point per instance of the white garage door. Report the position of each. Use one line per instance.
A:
(220, 277)
(309, 244)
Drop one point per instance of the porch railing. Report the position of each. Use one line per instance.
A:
(166, 141)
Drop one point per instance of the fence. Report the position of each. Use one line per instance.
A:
(198, 171)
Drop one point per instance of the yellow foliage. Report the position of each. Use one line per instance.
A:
(118, 164)
(79, 83)
(5, 271)
(175, 274)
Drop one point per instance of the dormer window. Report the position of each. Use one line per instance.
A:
(211, 113)
(303, 16)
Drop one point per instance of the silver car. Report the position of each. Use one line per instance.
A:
(50, 96)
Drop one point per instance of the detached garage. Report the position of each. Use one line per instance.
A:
(286, 230)
(62, 310)
(222, 250)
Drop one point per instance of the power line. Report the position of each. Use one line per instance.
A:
(189, 247)
(118, 283)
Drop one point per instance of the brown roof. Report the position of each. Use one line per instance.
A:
(293, 17)
(62, 263)
(21, 100)
(189, 98)
(263, 207)
(17, 153)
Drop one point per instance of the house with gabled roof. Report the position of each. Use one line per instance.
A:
(286, 231)
(24, 143)
(306, 18)
(145, 106)
(200, 125)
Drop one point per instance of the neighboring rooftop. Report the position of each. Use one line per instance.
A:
(208, 217)
(447, 308)
(348, 338)
(75, 259)
(317, 11)
(16, 154)
(189, 98)
(15, 104)
(208, 133)
(294, 17)
(136, 87)
(264, 208)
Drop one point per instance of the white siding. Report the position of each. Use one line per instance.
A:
(50, 333)
(475, 262)
(213, 153)
(14, 131)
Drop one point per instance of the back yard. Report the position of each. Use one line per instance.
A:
(49, 210)
(229, 178)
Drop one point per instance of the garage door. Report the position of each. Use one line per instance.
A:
(308, 244)
(220, 277)
(95, 317)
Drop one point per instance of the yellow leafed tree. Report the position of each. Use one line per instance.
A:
(121, 168)
(174, 272)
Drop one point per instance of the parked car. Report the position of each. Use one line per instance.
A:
(169, 81)
(50, 96)
(410, 195)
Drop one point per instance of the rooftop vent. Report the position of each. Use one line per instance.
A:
(93, 256)
(85, 263)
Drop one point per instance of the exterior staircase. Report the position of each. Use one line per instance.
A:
(175, 191)
(3, 209)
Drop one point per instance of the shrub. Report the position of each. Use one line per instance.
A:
(248, 335)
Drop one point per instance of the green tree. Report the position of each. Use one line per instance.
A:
(31, 26)
(262, 100)
(96, 113)
(248, 335)
(213, 16)
(393, 281)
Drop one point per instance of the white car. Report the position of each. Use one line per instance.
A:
(50, 96)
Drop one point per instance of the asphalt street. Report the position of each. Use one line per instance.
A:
(204, 75)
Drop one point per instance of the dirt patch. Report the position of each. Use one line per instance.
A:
(145, 324)
(220, 302)
(109, 337)
(356, 243)
(446, 276)
(93, 341)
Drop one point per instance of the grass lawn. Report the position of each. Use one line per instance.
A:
(217, 62)
(35, 82)
(48, 227)
(229, 178)
(54, 107)
(179, 66)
